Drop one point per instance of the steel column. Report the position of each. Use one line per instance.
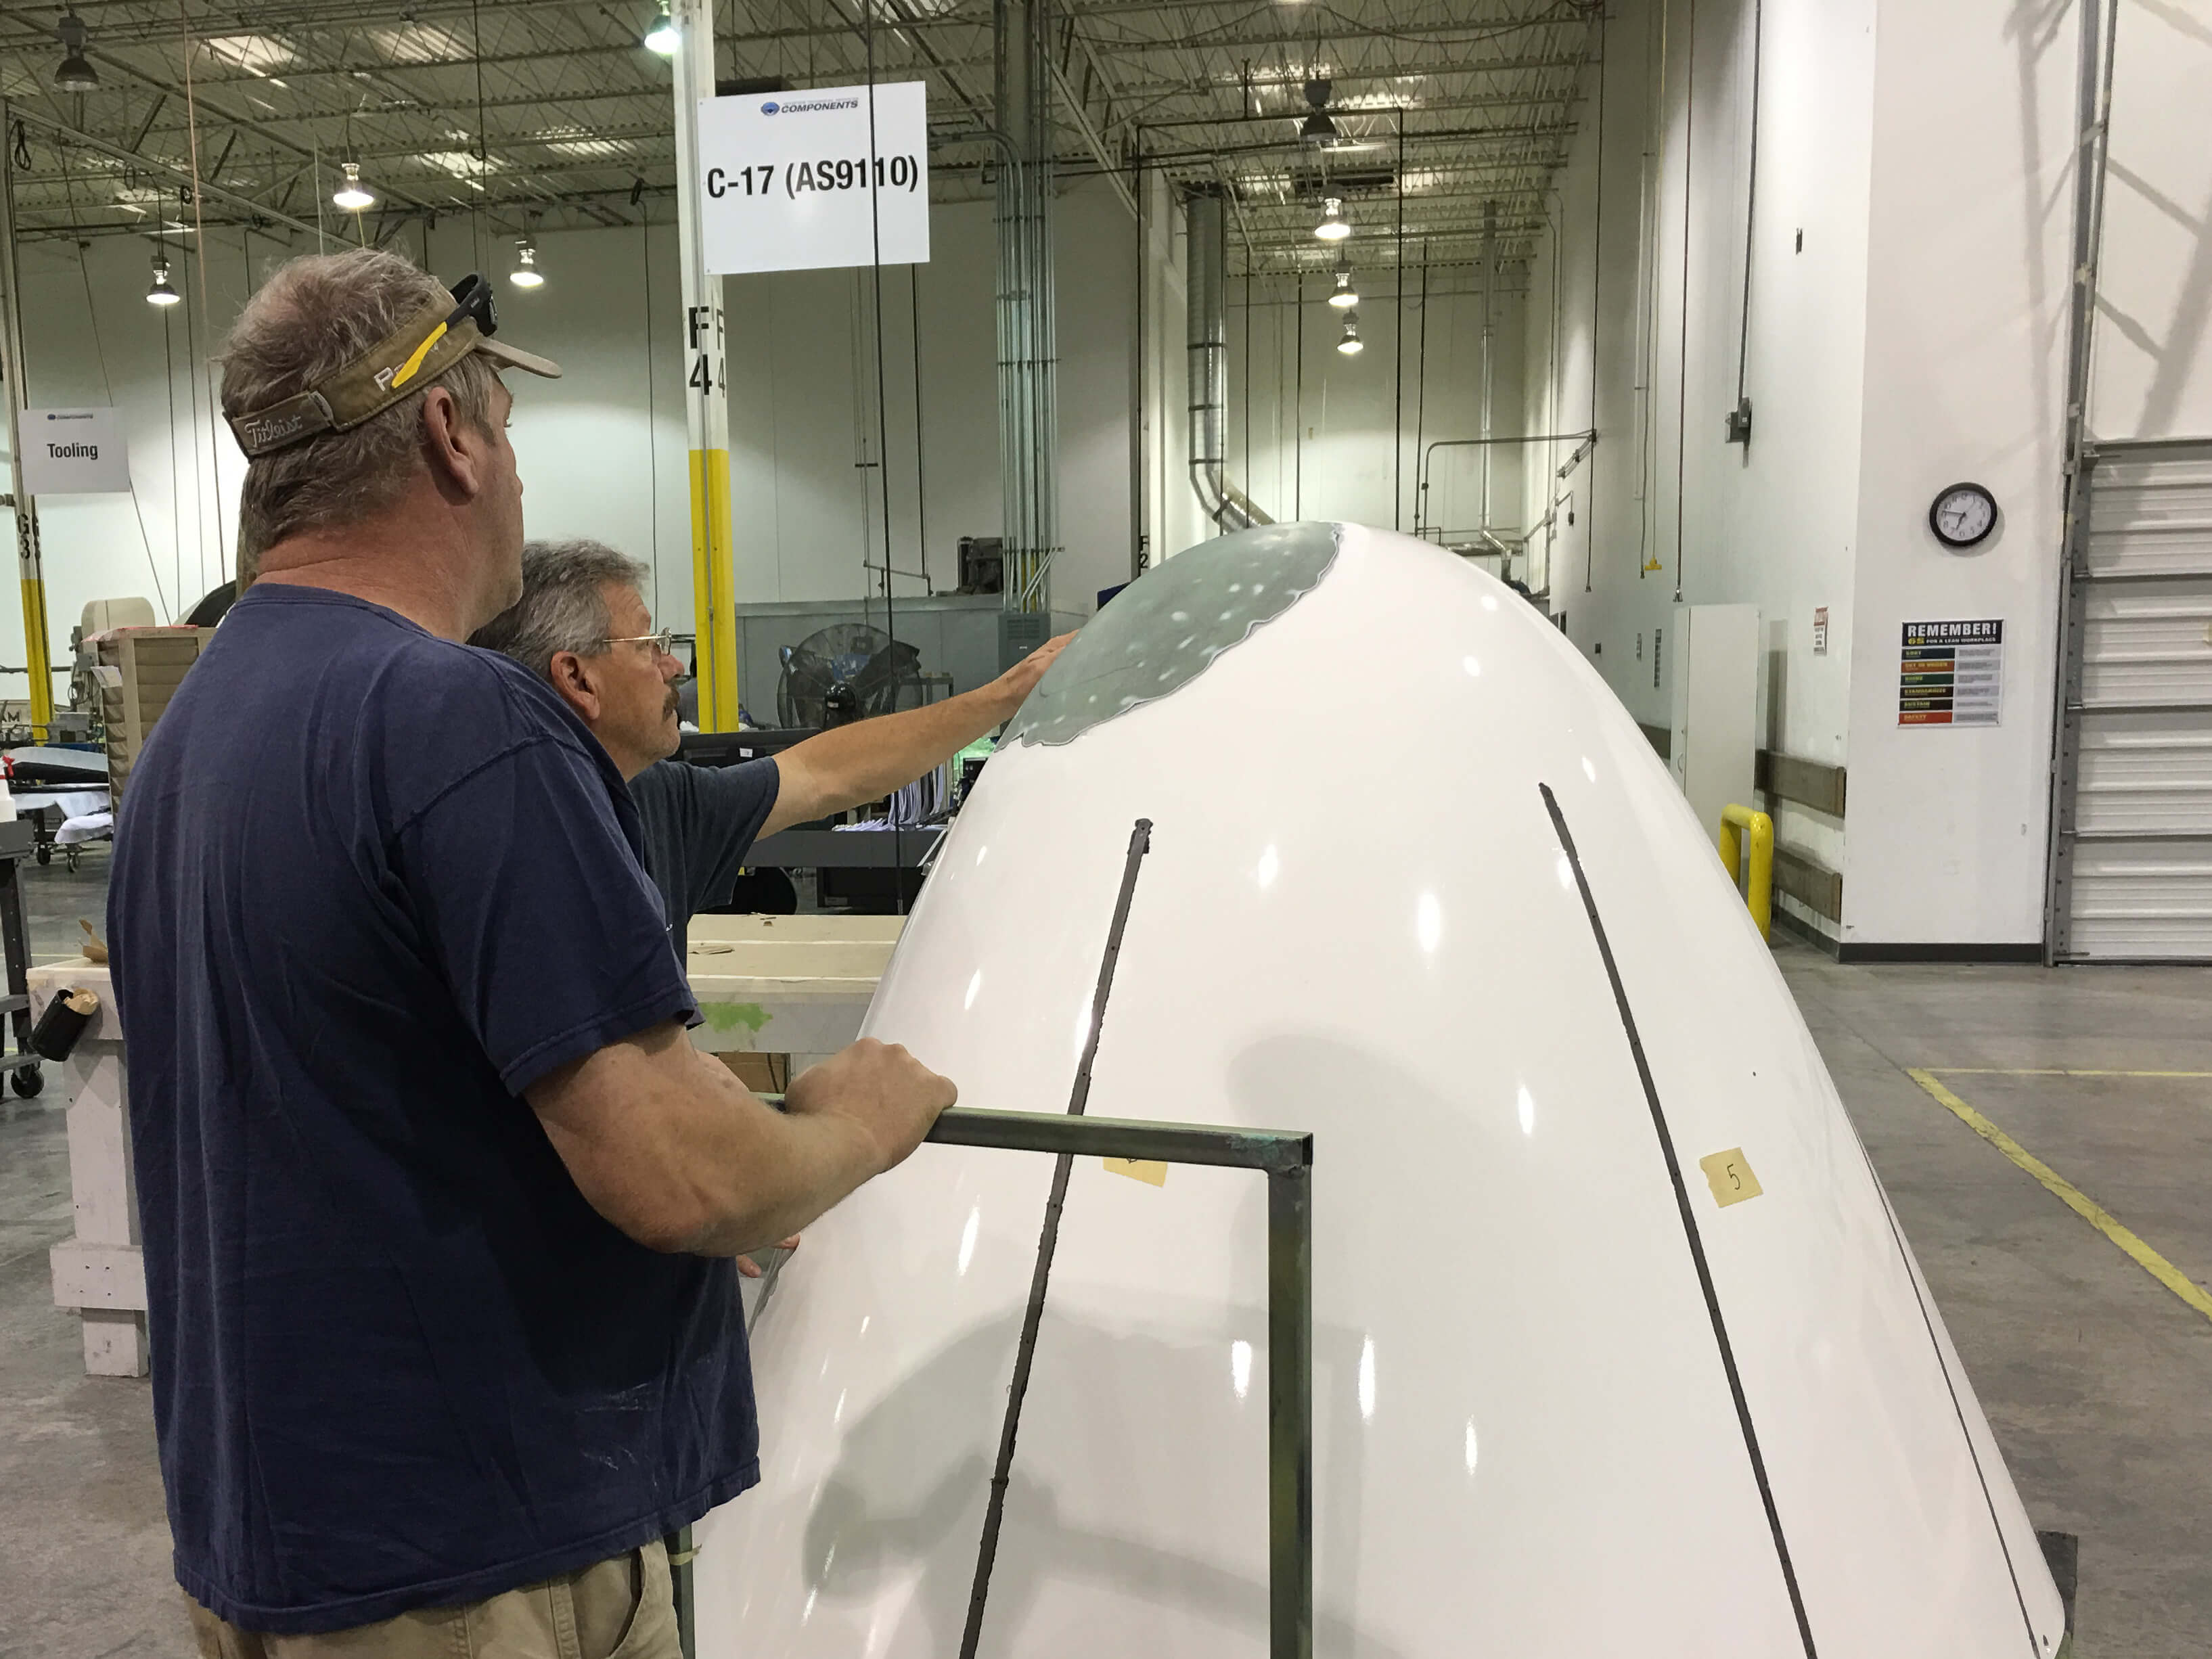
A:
(706, 398)
(36, 652)
(1028, 395)
(2092, 119)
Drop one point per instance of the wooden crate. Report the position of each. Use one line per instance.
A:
(148, 665)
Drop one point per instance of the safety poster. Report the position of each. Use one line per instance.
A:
(1951, 673)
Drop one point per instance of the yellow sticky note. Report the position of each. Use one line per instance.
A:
(1730, 1175)
(1138, 1169)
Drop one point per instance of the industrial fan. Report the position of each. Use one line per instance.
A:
(846, 671)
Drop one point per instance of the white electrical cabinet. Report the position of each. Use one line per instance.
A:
(1715, 738)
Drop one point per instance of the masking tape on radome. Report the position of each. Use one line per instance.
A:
(1728, 1174)
(2068, 1194)
(1146, 1169)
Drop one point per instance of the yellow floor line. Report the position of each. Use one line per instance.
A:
(2070, 1195)
(2042, 1070)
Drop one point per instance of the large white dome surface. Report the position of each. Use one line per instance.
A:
(1380, 789)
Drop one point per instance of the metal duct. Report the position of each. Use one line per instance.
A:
(1028, 395)
(1205, 215)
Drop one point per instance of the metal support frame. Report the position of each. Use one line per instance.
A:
(1285, 1158)
(705, 393)
(28, 563)
(1422, 524)
(2093, 120)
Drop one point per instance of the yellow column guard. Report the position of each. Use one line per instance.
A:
(715, 615)
(1760, 897)
(40, 653)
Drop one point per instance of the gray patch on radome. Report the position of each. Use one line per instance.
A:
(1166, 628)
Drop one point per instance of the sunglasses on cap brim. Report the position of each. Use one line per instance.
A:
(413, 356)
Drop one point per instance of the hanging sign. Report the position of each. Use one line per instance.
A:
(808, 180)
(1951, 673)
(74, 452)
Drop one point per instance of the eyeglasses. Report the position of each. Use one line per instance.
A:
(663, 643)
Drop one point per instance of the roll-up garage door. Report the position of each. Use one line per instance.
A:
(2132, 876)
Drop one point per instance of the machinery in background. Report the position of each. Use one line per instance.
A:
(80, 722)
(60, 788)
(983, 564)
(845, 672)
(138, 670)
(1021, 632)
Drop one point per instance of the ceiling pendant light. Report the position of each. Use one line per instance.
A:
(75, 73)
(526, 274)
(161, 294)
(1346, 294)
(663, 37)
(351, 194)
(1333, 226)
(1349, 345)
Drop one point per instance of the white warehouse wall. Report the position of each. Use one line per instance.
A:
(803, 409)
(2152, 375)
(1904, 331)
(1661, 508)
(1326, 444)
(588, 467)
(1968, 260)
(603, 450)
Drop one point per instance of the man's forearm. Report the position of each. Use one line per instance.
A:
(823, 1160)
(852, 764)
(667, 1144)
(669, 1147)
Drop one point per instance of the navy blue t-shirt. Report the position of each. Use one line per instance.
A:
(699, 823)
(368, 885)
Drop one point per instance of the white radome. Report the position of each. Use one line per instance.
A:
(1359, 917)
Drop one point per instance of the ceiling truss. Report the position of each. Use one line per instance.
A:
(538, 114)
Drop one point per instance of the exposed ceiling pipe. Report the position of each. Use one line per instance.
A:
(1208, 359)
(1029, 393)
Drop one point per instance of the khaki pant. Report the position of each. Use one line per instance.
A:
(621, 1608)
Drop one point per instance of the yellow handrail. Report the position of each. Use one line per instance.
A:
(1760, 897)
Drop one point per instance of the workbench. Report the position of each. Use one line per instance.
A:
(101, 1272)
(844, 849)
(787, 985)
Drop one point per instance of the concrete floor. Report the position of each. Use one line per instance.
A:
(2097, 1378)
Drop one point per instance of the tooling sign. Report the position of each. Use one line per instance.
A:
(74, 452)
(830, 177)
(1951, 673)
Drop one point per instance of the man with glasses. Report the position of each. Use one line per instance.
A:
(439, 1201)
(582, 626)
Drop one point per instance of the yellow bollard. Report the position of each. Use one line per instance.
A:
(1761, 895)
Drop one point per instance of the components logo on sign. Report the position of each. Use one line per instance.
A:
(769, 107)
